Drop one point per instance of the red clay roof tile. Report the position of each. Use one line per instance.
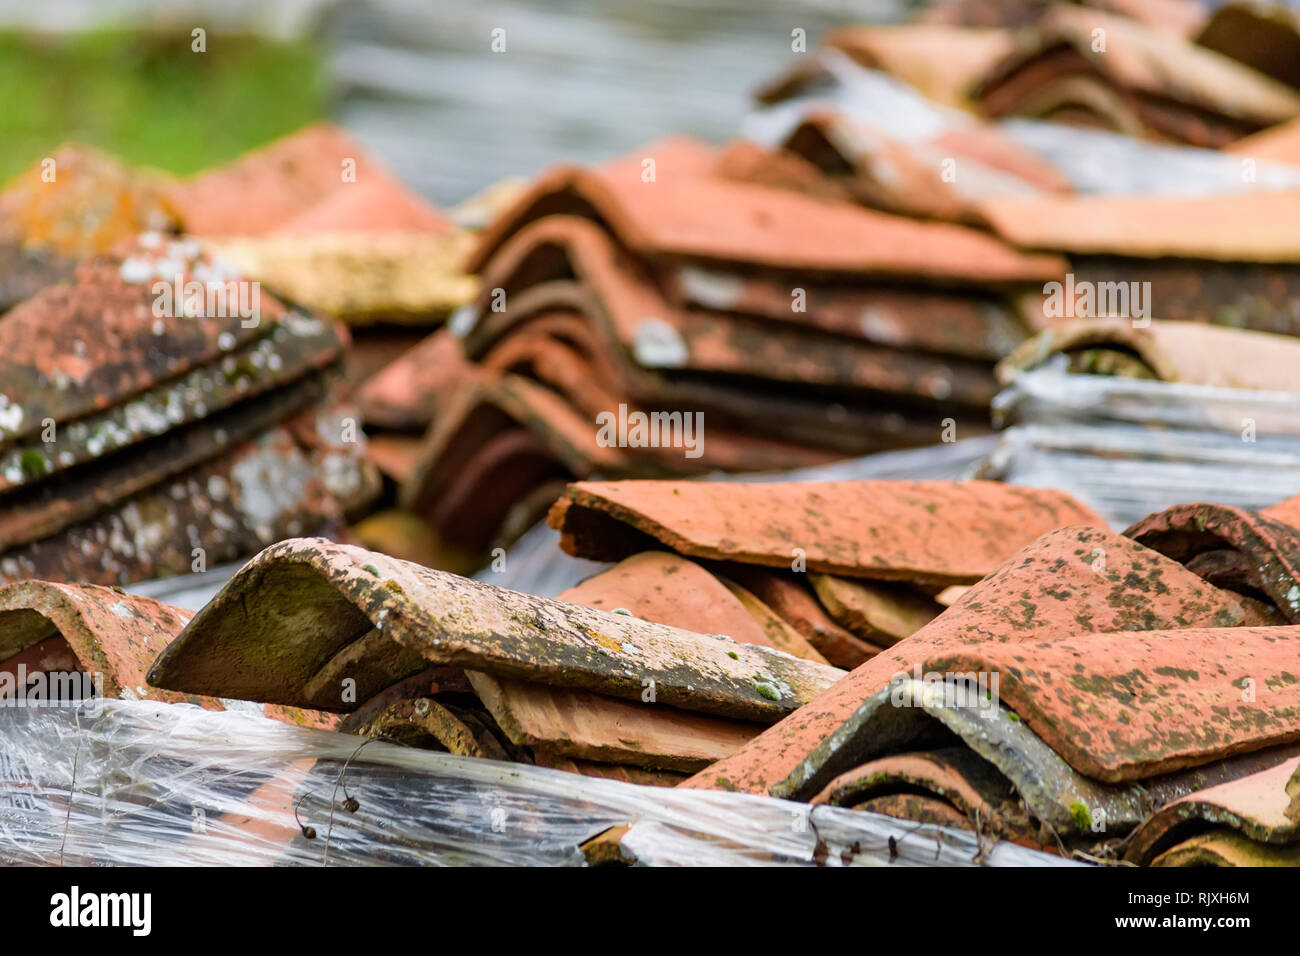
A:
(1070, 582)
(934, 533)
(269, 187)
(1258, 806)
(1187, 352)
(713, 220)
(1231, 547)
(669, 589)
(375, 619)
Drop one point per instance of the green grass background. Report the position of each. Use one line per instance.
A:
(149, 100)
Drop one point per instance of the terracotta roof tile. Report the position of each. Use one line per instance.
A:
(936, 321)
(615, 296)
(746, 162)
(1258, 807)
(376, 619)
(224, 503)
(1187, 352)
(968, 785)
(1231, 547)
(91, 204)
(1224, 847)
(1245, 227)
(1063, 803)
(782, 632)
(906, 177)
(108, 632)
(936, 533)
(269, 187)
(883, 614)
(708, 219)
(104, 632)
(376, 204)
(76, 349)
(1287, 512)
(67, 497)
(558, 722)
(788, 598)
(669, 589)
(1071, 582)
(1130, 705)
(282, 363)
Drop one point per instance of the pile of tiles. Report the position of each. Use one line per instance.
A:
(176, 375)
(1200, 229)
(734, 297)
(158, 412)
(1062, 700)
(1107, 732)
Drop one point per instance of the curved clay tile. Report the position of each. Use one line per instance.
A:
(614, 293)
(1070, 582)
(1225, 847)
(1231, 547)
(77, 348)
(378, 203)
(1188, 352)
(1015, 761)
(927, 532)
(788, 598)
(269, 187)
(965, 782)
(1258, 807)
(103, 632)
(358, 615)
(883, 614)
(709, 219)
(669, 589)
(1245, 227)
(299, 477)
(562, 723)
(75, 204)
(1126, 706)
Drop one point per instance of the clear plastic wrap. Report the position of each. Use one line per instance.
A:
(1102, 162)
(1129, 447)
(141, 783)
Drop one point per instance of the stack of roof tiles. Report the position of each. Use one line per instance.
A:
(1064, 700)
(1097, 68)
(158, 413)
(737, 639)
(737, 286)
(1061, 701)
(1205, 231)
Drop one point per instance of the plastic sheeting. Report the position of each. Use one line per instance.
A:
(1129, 447)
(141, 783)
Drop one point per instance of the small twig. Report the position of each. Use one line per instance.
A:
(72, 787)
